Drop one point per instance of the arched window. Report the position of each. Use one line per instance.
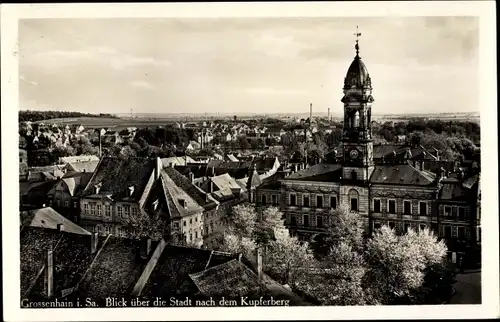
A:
(354, 200)
(356, 119)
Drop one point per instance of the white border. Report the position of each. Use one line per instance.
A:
(484, 9)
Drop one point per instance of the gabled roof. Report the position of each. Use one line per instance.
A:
(49, 218)
(231, 280)
(401, 152)
(75, 182)
(79, 158)
(116, 270)
(177, 160)
(403, 174)
(175, 264)
(325, 172)
(224, 181)
(186, 185)
(116, 175)
(173, 196)
(83, 166)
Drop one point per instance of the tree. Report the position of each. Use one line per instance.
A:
(238, 245)
(398, 264)
(287, 259)
(416, 138)
(345, 227)
(152, 225)
(269, 220)
(242, 220)
(339, 280)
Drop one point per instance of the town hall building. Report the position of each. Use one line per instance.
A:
(400, 195)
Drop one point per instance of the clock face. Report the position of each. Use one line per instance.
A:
(354, 154)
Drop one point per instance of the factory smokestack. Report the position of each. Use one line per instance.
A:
(310, 112)
(328, 114)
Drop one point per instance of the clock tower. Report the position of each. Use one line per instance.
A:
(357, 133)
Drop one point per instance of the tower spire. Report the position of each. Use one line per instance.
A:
(357, 34)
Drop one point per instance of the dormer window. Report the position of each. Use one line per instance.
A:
(155, 204)
(131, 190)
(182, 203)
(97, 188)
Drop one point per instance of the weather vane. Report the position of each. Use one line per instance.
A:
(357, 34)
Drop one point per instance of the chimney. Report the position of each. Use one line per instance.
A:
(60, 227)
(191, 176)
(240, 255)
(94, 240)
(49, 274)
(158, 167)
(259, 263)
(210, 186)
(144, 247)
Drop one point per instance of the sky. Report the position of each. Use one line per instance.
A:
(246, 65)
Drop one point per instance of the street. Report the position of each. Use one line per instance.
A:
(468, 289)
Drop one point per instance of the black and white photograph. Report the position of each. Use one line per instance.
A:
(204, 160)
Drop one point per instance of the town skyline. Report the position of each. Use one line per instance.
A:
(246, 66)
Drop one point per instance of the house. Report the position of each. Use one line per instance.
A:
(48, 218)
(182, 161)
(232, 158)
(82, 166)
(78, 158)
(116, 193)
(193, 146)
(64, 196)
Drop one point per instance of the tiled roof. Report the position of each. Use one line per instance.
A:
(403, 174)
(326, 172)
(232, 158)
(79, 158)
(117, 175)
(177, 160)
(399, 151)
(221, 164)
(116, 270)
(231, 280)
(224, 181)
(75, 182)
(174, 193)
(83, 166)
(173, 269)
(186, 185)
(49, 218)
(34, 241)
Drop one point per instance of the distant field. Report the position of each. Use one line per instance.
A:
(118, 124)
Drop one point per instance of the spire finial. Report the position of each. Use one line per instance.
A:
(357, 34)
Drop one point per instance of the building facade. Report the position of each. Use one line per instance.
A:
(401, 195)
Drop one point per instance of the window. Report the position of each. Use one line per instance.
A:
(407, 207)
(274, 199)
(293, 200)
(50, 202)
(211, 226)
(461, 213)
(134, 211)
(454, 212)
(422, 208)
(75, 204)
(126, 210)
(293, 220)
(184, 223)
(306, 220)
(119, 209)
(354, 204)
(176, 225)
(305, 201)
(376, 205)
(461, 233)
(333, 202)
(319, 221)
(99, 210)
(392, 225)
(66, 204)
(190, 237)
(107, 210)
(86, 208)
(196, 234)
(264, 200)
(354, 175)
(196, 219)
(92, 209)
(447, 231)
(423, 226)
(58, 202)
(376, 225)
(407, 227)
(434, 228)
(392, 206)
(190, 221)
(447, 211)
(319, 201)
